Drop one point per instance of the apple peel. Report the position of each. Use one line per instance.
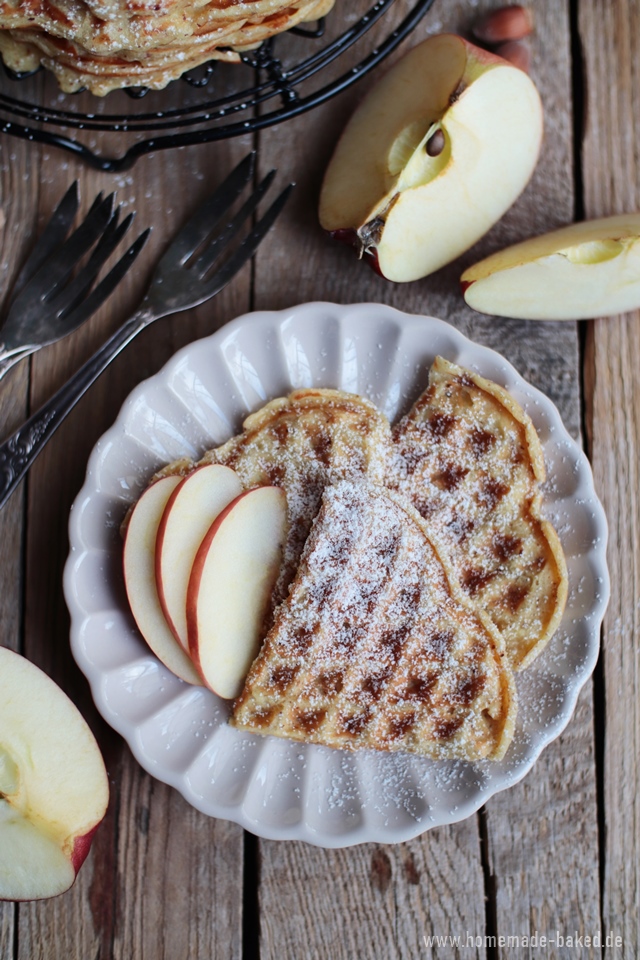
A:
(193, 506)
(233, 576)
(140, 579)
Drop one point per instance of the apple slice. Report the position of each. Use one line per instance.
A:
(53, 784)
(435, 154)
(585, 270)
(140, 579)
(233, 575)
(191, 509)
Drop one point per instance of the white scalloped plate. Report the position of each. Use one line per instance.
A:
(274, 788)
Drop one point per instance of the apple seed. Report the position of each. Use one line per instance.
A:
(435, 144)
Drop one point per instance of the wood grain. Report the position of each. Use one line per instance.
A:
(19, 177)
(162, 880)
(541, 836)
(372, 900)
(165, 882)
(19, 167)
(609, 35)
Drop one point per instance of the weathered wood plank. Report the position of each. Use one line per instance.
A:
(451, 890)
(19, 184)
(611, 51)
(19, 168)
(374, 900)
(385, 898)
(7, 930)
(543, 845)
(543, 839)
(369, 899)
(162, 879)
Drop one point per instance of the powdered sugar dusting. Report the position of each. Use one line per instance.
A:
(303, 443)
(444, 790)
(372, 649)
(470, 462)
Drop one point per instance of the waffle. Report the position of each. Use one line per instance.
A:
(469, 459)
(303, 443)
(375, 648)
(102, 45)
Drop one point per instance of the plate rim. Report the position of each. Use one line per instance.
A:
(301, 830)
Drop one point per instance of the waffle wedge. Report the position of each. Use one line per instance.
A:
(375, 647)
(469, 459)
(303, 443)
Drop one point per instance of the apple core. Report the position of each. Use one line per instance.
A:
(594, 251)
(9, 774)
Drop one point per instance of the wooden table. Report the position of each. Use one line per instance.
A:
(559, 851)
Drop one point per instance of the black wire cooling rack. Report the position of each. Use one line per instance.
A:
(279, 87)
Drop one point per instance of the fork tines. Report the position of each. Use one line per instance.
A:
(248, 246)
(201, 243)
(49, 301)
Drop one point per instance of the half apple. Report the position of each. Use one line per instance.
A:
(53, 784)
(233, 575)
(432, 158)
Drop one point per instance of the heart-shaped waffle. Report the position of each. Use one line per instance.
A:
(469, 459)
(375, 647)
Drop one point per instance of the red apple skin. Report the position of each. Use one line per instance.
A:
(79, 853)
(194, 582)
(39, 687)
(371, 257)
(81, 847)
(349, 237)
(482, 55)
(464, 285)
(345, 235)
(518, 53)
(159, 541)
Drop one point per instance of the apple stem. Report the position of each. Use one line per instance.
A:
(369, 235)
(457, 93)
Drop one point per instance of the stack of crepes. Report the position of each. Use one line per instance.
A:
(104, 45)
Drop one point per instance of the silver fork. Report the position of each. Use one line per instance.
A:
(182, 279)
(47, 302)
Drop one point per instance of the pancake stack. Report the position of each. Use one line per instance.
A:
(104, 45)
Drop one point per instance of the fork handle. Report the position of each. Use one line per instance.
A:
(19, 451)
